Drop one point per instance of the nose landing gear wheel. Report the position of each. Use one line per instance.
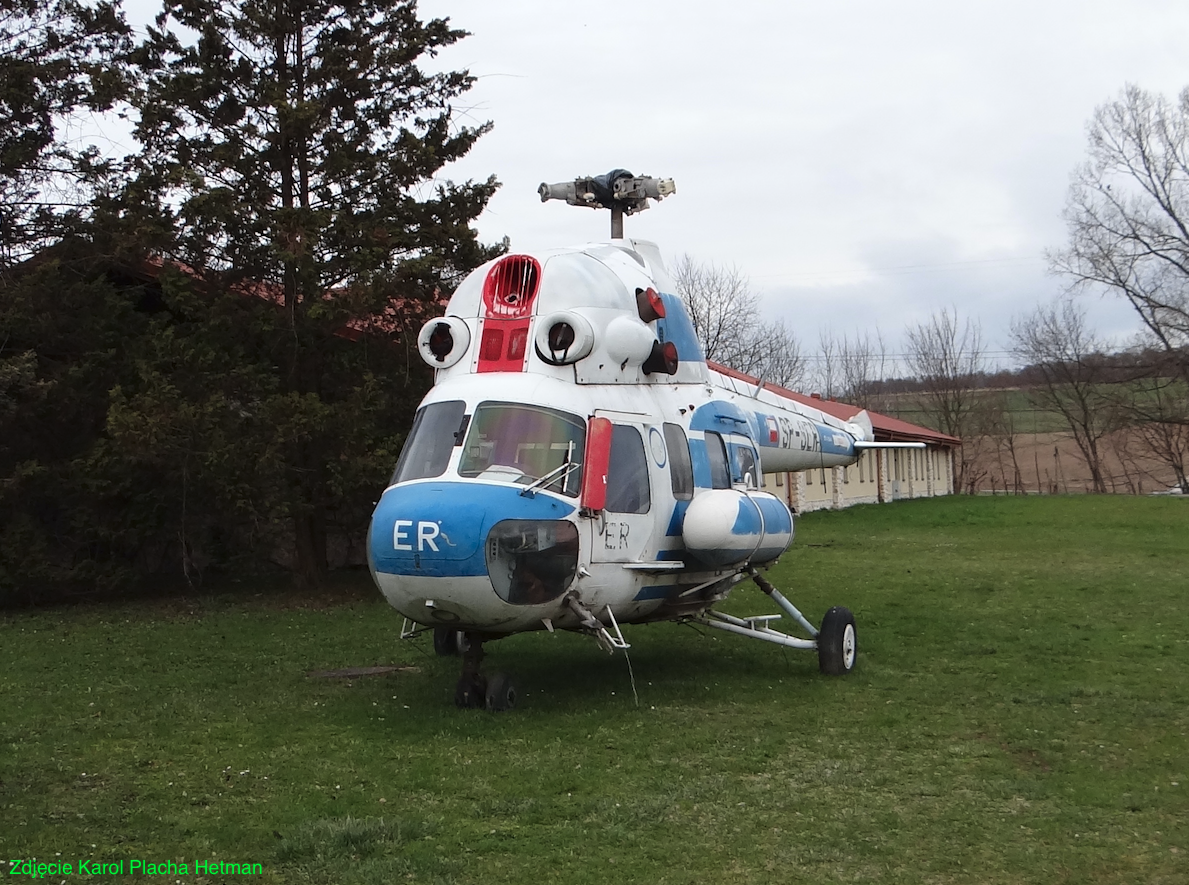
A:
(837, 644)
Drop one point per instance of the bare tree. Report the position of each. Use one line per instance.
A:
(1066, 357)
(1155, 409)
(1128, 213)
(779, 358)
(727, 318)
(1004, 436)
(947, 356)
(1169, 442)
(827, 375)
(852, 369)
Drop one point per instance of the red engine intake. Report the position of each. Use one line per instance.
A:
(508, 295)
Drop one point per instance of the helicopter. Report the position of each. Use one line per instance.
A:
(579, 465)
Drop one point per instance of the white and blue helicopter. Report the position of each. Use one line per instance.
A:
(579, 465)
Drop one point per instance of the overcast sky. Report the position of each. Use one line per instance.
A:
(865, 162)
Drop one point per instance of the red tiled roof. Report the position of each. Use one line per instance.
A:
(887, 428)
(389, 321)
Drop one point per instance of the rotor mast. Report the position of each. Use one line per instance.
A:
(618, 190)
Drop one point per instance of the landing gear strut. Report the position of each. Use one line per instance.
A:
(475, 691)
(449, 643)
(835, 643)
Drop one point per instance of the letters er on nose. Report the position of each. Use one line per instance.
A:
(426, 532)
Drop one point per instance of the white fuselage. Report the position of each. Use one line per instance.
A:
(556, 458)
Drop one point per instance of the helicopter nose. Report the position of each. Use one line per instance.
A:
(447, 529)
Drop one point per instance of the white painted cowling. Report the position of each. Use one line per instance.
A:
(728, 527)
(449, 335)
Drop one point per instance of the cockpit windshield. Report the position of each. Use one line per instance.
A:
(526, 444)
(437, 429)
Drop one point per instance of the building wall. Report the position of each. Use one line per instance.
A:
(879, 475)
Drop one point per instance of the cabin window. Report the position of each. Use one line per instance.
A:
(716, 454)
(437, 429)
(627, 476)
(524, 444)
(748, 474)
(681, 470)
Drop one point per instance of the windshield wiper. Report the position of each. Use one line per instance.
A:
(563, 470)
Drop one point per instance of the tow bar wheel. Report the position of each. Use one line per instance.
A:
(837, 644)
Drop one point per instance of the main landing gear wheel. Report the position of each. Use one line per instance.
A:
(837, 645)
(449, 643)
(501, 693)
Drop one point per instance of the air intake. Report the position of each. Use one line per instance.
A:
(511, 286)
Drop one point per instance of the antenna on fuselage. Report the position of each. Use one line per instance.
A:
(618, 190)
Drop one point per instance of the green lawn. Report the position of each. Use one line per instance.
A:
(1018, 715)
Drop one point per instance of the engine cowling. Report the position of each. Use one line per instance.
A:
(728, 527)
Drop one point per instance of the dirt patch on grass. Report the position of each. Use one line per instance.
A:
(356, 672)
(270, 593)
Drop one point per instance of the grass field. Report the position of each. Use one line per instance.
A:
(1026, 417)
(1018, 715)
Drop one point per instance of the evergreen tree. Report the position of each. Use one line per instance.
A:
(289, 150)
(59, 332)
(72, 510)
(57, 57)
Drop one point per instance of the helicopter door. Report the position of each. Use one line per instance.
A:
(622, 532)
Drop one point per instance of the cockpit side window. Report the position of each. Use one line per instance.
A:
(627, 477)
(430, 442)
(716, 454)
(749, 475)
(681, 470)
